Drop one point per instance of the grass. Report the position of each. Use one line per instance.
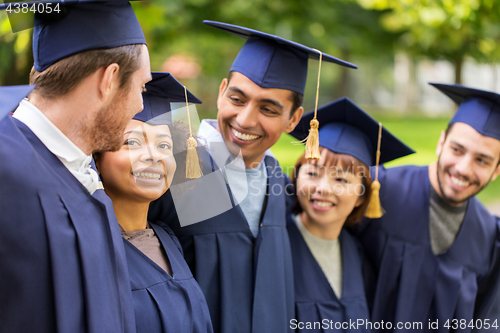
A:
(420, 133)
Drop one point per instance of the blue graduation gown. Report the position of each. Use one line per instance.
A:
(62, 260)
(163, 303)
(414, 285)
(247, 281)
(315, 300)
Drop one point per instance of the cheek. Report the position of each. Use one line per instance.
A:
(114, 167)
(170, 167)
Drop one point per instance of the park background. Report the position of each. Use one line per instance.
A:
(399, 46)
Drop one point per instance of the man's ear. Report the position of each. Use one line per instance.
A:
(222, 89)
(109, 80)
(294, 120)
(440, 144)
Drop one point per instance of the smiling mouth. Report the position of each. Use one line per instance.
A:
(458, 182)
(147, 175)
(322, 204)
(244, 137)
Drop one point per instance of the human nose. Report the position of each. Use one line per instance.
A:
(323, 187)
(247, 117)
(464, 166)
(151, 154)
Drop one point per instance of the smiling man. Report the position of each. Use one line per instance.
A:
(239, 252)
(62, 261)
(435, 247)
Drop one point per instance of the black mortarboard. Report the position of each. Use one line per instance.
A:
(478, 108)
(271, 61)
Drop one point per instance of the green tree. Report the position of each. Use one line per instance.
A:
(443, 29)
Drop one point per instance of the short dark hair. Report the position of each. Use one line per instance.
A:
(63, 76)
(296, 98)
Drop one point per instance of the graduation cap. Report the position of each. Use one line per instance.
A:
(271, 61)
(10, 96)
(81, 25)
(274, 62)
(160, 92)
(347, 129)
(478, 108)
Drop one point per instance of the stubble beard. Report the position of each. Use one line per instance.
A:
(447, 198)
(106, 133)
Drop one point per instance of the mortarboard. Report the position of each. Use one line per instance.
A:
(10, 96)
(271, 61)
(160, 92)
(346, 129)
(478, 108)
(82, 25)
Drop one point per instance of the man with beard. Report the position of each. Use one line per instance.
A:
(62, 261)
(436, 248)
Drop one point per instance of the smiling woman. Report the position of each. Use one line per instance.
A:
(140, 172)
(331, 193)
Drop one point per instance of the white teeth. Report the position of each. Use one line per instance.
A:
(147, 175)
(458, 182)
(244, 137)
(322, 203)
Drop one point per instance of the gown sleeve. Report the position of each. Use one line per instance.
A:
(488, 297)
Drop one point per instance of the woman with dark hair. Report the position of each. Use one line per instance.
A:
(331, 193)
(166, 296)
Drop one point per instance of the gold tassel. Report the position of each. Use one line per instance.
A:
(193, 169)
(374, 209)
(192, 162)
(312, 144)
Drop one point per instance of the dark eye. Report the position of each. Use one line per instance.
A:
(165, 145)
(312, 174)
(342, 180)
(269, 111)
(132, 142)
(482, 161)
(235, 99)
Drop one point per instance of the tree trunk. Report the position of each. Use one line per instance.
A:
(343, 88)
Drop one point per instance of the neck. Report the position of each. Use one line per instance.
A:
(131, 215)
(330, 231)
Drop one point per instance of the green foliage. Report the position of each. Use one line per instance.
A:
(450, 29)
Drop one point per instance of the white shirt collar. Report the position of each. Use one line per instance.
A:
(73, 158)
(208, 132)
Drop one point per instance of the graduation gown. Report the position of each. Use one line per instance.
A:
(247, 281)
(315, 300)
(414, 284)
(62, 260)
(163, 303)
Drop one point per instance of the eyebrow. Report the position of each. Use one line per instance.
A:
(484, 156)
(264, 100)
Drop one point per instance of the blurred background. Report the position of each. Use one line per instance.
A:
(399, 46)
